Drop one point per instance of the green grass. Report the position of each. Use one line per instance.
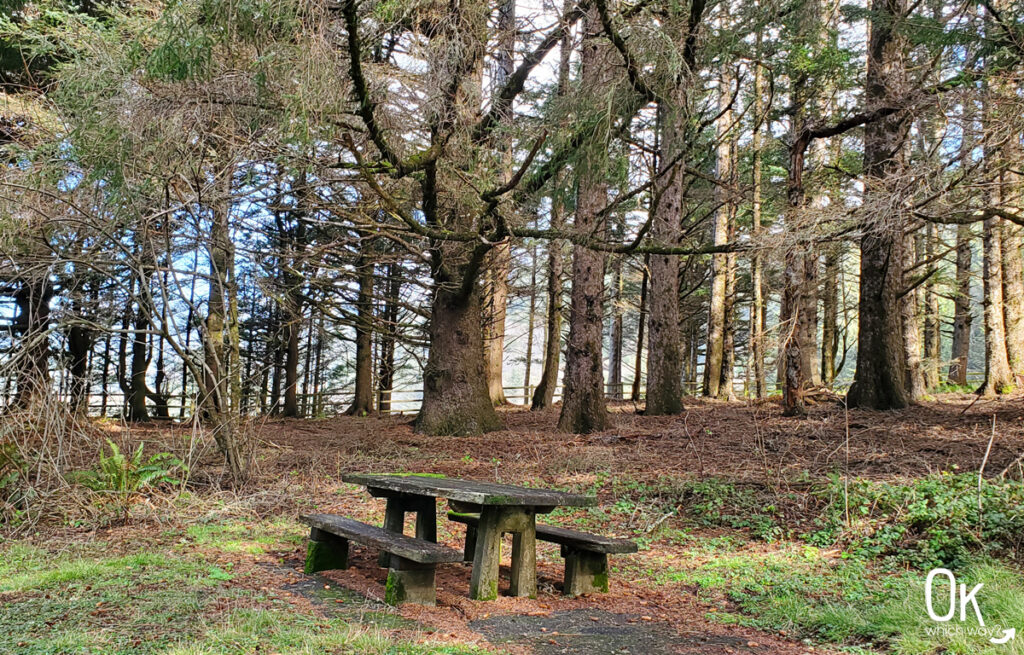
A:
(169, 598)
(806, 592)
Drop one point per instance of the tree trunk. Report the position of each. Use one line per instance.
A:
(879, 379)
(1013, 290)
(583, 404)
(914, 370)
(715, 353)
(757, 303)
(664, 354)
(455, 398)
(32, 327)
(615, 361)
(998, 377)
(80, 341)
(962, 315)
(221, 344)
(932, 319)
(544, 394)
(495, 304)
(293, 320)
(362, 403)
(499, 258)
(725, 385)
(388, 337)
(531, 322)
(830, 316)
(641, 324)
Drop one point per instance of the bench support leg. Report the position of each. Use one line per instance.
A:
(325, 552)
(524, 563)
(585, 572)
(410, 582)
(394, 519)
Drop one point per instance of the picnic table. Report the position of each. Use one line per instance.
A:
(502, 508)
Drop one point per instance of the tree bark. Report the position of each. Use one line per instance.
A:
(583, 404)
(664, 354)
(362, 402)
(911, 324)
(962, 315)
(388, 337)
(932, 319)
(615, 361)
(879, 379)
(1013, 290)
(455, 398)
(757, 303)
(544, 394)
(641, 324)
(830, 316)
(998, 377)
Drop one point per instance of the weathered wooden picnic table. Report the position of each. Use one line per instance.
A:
(502, 508)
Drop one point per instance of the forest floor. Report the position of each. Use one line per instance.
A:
(733, 506)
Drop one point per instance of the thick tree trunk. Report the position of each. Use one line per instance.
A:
(962, 315)
(1013, 291)
(879, 379)
(455, 398)
(998, 376)
(664, 354)
(583, 404)
(362, 402)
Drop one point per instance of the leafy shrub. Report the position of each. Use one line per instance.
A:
(124, 476)
(932, 521)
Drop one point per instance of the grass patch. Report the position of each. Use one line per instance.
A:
(801, 590)
(169, 598)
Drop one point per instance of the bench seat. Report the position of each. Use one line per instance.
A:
(411, 561)
(586, 555)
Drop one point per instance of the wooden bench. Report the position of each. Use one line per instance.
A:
(411, 563)
(586, 555)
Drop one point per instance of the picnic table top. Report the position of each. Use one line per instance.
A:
(470, 491)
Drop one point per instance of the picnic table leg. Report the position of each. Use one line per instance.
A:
(394, 521)
(524, 557)
(426, 519)
(483, 584)
(495, 521)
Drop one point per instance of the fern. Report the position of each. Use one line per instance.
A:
(125, 476)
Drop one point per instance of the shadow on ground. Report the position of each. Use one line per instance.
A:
(597, 632)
